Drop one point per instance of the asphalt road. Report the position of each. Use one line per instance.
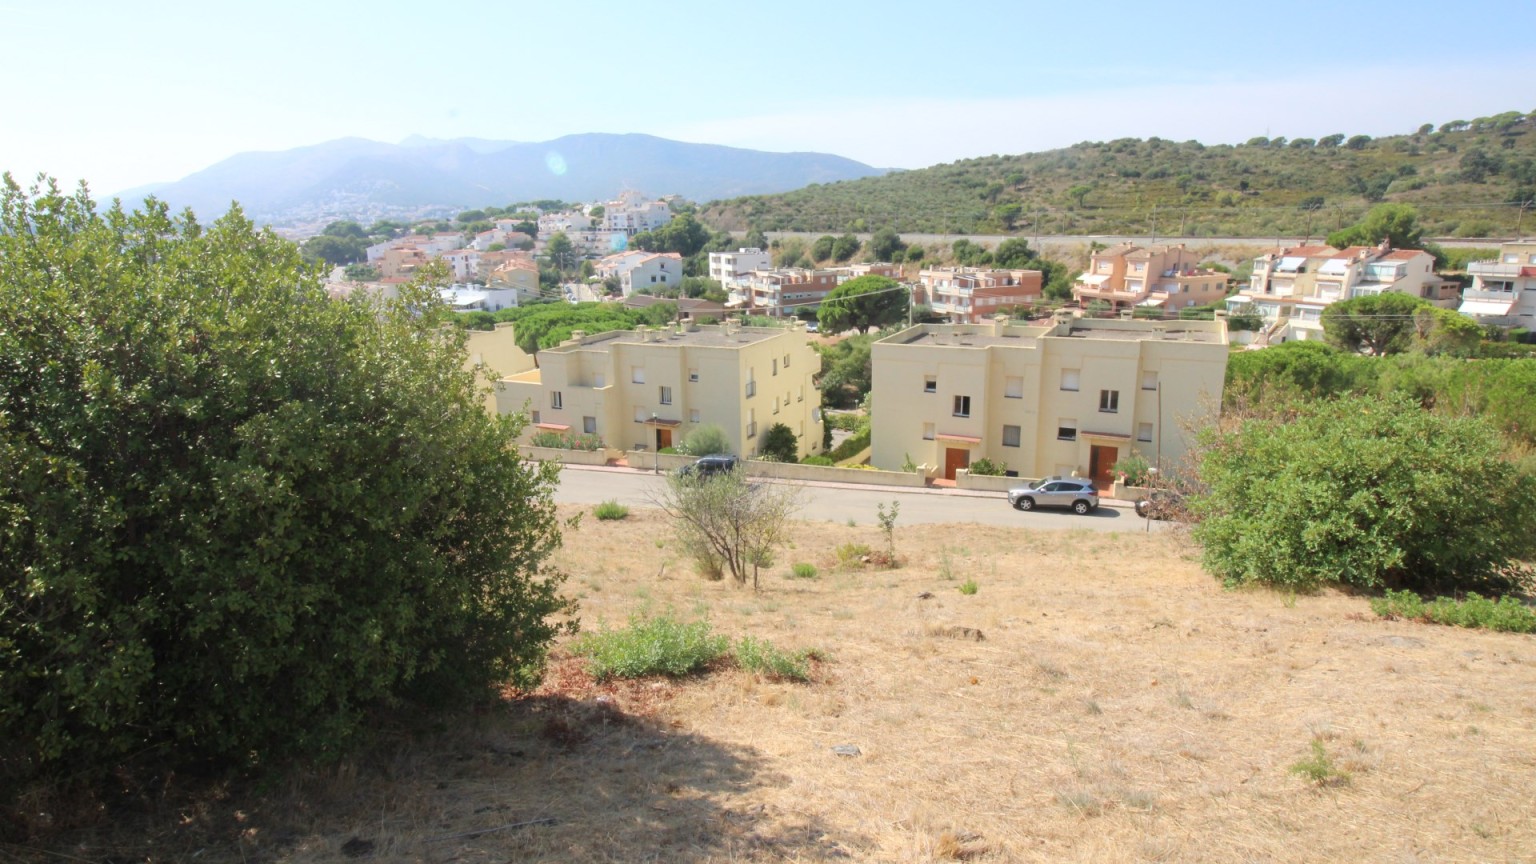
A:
(840, 503)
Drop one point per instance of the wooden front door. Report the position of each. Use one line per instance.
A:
(1100, 460)
(955, 458)
(663, 437)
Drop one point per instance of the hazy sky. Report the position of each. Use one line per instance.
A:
(122, 93)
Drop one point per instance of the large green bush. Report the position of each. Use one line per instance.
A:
(236, 516)
(1364, 492)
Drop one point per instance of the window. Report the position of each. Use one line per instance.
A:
(928, 431)
(751, 389)
(1011, 435)
(1013, 388)
(693, 375)
(1069, 379)
(751, 423)
(535, 418)
(775, 404)
(1109, 401)
(637, 374)
(556, 401)
(693, 415)
(930, 383)
(775, 365)
(642, 414)
(962, 406)
(1149, 380)
(1143, 431)
(1066, 430)
(800, 395)
(589, 425)
(665, 395)
(786, 361)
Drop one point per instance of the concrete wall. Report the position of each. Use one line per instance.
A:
(569, 457)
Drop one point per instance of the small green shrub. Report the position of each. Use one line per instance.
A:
(1505, 614)
(1133, 469)
(817, 460)
(651, 646)
(851, 556)
(704, 440)
(610, 510)
(566, 440)
(852, 446)
(1319, 768)
(762, 657)
(803, 570)
(969, 587)
(985, 467)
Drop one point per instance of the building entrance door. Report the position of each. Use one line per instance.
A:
(663, 438)
(955, 458)
(1100, 460)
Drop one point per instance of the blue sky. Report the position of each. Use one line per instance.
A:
(124, 96)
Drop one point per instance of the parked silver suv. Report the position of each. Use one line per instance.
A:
(1071, 492)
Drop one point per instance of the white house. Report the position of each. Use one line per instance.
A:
(1503, 291)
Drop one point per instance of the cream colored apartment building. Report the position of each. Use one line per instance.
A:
(648, 388)
(497, 350)
(1068, 397)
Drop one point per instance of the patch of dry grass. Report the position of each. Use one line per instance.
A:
(1100, 699)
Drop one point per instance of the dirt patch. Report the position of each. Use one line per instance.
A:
(1122, 706)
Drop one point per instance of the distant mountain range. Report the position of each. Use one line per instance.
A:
(358, 178)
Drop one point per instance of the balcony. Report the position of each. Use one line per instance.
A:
(1495, 269)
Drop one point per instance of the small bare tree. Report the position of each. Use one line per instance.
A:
(727, 519)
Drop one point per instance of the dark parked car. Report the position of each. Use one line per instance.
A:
(1070, 492)
(709, 466)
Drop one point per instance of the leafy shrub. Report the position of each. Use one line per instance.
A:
(762, 657)
(566, 440)
(985, 467)
(1363, 492)
(780, 444)
(651, 646)
(239, 516)
(1134, 467)
(824, 461)
(968, 587)
(610, 510)
(851, 446)
(704, 440)
(1507, 614)
(803, 570)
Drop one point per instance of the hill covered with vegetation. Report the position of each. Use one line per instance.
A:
(1472, 178)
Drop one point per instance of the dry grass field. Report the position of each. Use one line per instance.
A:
(1119, 705)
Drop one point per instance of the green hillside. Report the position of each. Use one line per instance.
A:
(1467, 178)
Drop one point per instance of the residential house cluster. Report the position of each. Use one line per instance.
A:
(1292, 286)
(638, 271)
(1069, 396)
(753, 285)
(965, 295)
(610, 231)
(1169, 278)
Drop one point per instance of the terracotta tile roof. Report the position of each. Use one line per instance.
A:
(1403, 254)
